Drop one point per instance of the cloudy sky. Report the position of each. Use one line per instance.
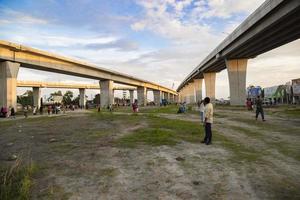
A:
(157, 40)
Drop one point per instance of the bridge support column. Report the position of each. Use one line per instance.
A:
(176, 98)
(210, 85)
(8, 84)
(168, 97)
(191, 92)
(82, 99)
(198, 89)
(36, 97)
(131, 96)
(171, 98)
(184, 94)
(107, 92)
(237, 80)
(157, 94)
(142, 95)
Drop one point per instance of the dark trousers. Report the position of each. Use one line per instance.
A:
(260, 111)
(208, 133)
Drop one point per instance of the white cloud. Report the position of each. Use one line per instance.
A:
(224, 8)
(15, 17)
(183, 26)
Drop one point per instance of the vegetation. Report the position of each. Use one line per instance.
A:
(26, 99)
(163, 131)
(16, 181)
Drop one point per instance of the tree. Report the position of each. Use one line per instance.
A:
(76, 100)
(26, 98)
(96, 100)
(67, 98)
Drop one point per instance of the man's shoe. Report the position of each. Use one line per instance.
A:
(208, 143)
(264, 120)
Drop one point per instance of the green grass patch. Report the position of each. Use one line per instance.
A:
(247, 131)
(62, 147)
(153, 137)
(55, 192)
(108, 172)
(163, 131)
(96, 134)
(171, 109)
(239, 151)
(16, 181)
(287, 149)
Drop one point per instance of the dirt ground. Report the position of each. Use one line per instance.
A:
(78, 157)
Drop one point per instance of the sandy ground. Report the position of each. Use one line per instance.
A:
(74, 166)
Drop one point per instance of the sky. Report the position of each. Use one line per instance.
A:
(158, 40)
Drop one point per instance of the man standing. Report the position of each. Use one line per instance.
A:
(259, 108)
(208, 120)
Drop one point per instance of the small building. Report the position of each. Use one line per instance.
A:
(296, 91)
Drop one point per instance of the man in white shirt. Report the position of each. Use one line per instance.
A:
(208, 120)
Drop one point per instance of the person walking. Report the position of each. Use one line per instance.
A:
(208, 120)
(25, 111)
(12, 113)
(259, 108)
(49, 110)
(135, 107)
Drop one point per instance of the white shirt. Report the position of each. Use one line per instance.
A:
(202, 107)
(208, 112)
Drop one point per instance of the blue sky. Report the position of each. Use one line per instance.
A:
(158, 40)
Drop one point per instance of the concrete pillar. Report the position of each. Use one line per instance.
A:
(8, 84)
(36, 97)
(167, 97)
(131, 96)
(171, 98)
(176, 98)
(191, 93)
(198, 89)
(185, 94)
(237, 80)
(82, 99)
(142, 95)
(210, 85)
(157, 94)
(107, 93)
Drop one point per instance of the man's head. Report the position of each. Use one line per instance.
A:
(206, 100)
(258, 97)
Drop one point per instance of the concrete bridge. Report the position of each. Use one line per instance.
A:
(13, 56)
(37, 85)
(274, 23)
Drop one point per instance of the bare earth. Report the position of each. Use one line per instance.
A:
(77, 161)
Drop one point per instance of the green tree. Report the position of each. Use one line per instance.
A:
(76, 100)
(96, 100)
(67, 98)
(26, 98)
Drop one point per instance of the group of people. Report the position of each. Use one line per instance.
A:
(206, 115)
(7, 112)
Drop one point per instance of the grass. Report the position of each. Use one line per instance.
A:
(108, 172)
(239, 151)
(62, 147)
(287, 149)
(163, 131)
(153, 137)
(55, 192)
(16, 181)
